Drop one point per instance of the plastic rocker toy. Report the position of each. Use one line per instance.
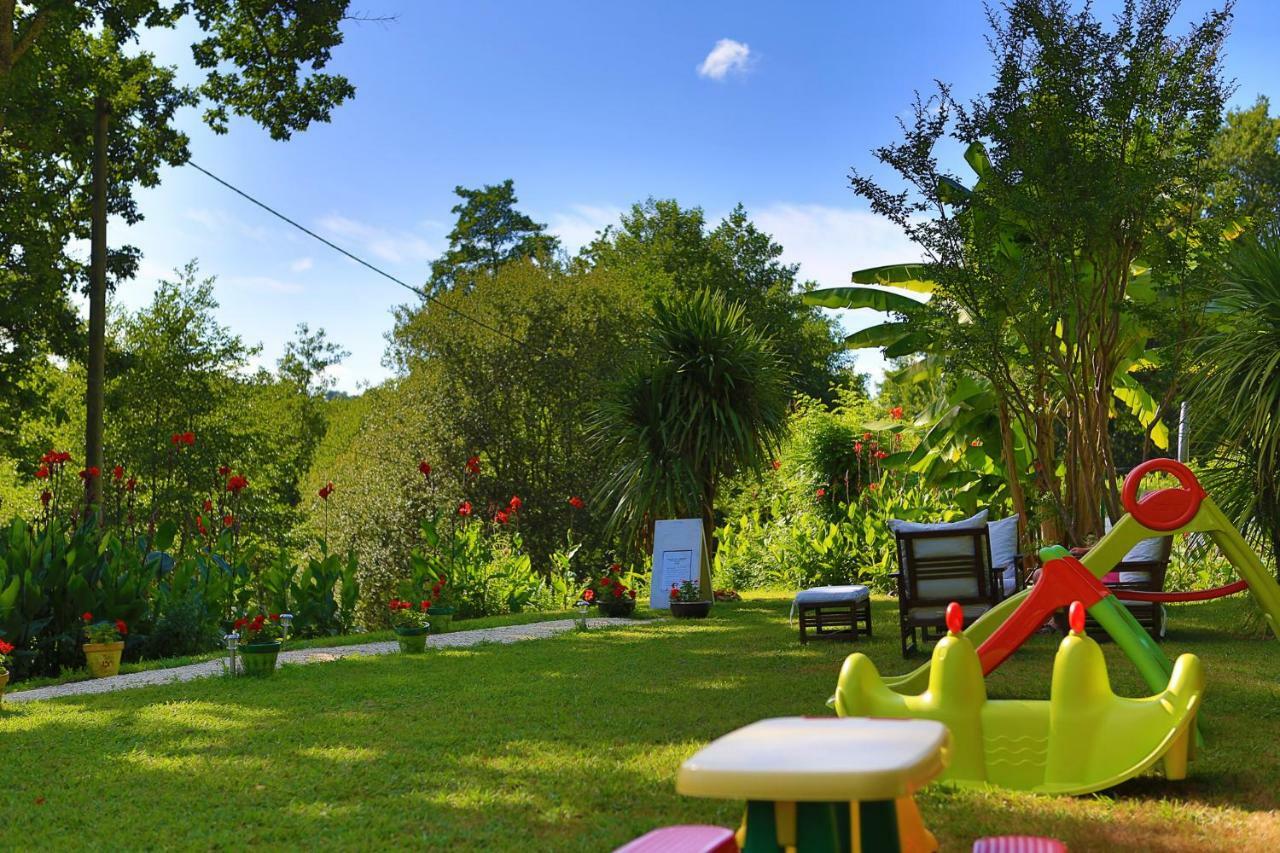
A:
(1083, 739)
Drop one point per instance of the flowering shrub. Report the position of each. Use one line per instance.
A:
(686, 591)
(104, 631)
(5, 650)
(609, 587)
(260, 628)
(406, 614)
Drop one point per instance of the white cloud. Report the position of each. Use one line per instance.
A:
(727, 56)
(578, 226)
(397, 247)
(301, 265)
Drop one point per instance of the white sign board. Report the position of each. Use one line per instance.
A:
(677, 557)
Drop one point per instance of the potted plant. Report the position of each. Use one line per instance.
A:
(410, 624)
(441, 606)
(611, 595)
(260, 642)
(687, 601)
(5, 649)
(105, 645)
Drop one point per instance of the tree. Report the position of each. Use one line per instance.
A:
(1248, 152)
(1240, 394)
(64, 70)
(489, 232)
(671, 250)
(1080, 254)
(708, 401)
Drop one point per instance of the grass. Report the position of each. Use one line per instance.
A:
(572, 743)
(70, 676)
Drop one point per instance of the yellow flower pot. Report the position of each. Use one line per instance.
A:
(103, 658)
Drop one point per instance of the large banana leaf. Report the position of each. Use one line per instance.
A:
(1130, 392)
(906, 276)
(879, 335)
(861, 297)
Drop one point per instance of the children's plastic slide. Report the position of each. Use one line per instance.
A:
(1187, 509)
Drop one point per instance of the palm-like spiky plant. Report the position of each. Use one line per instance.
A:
(708, 401)
(1241, 391)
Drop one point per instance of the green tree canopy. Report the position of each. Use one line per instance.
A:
(1248, 153)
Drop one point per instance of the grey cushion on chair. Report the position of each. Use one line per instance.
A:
(944, 546)
(833, 595)
(1003, 536)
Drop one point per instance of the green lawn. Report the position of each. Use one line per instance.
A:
(571, 743)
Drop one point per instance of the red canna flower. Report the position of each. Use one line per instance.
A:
(393, 604)
(240, 623)
(473, 465)
(501, 517)
(130, 484)
(5, 648)
(325, 491)
(776, 464)
(425, 605)
(588, 594)
(515, 503)
(874, 486)
(90, 473)
(822, 492)
(424, 468)
(117, 473)
(86, 616)
(42, 472)
(866, 436)
(441, 580)
(576, 502)
(224, 470)
(188, 438)
(45, 497)
(896, 413)
(857, 448)
(175, 439)
(228, 520)
(200, 526)
(880, 454)
(464, 509)
(237, 483)
(121, 628)
(208, 505)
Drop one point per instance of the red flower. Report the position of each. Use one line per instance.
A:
(977, 442)
(325, 491)
(86, 616)
(464, 509)
(42, 472)
(237, 483)
(896, 413)
(873, 486)
(275, 617)
(200, 526)
(501, 517)
(822, 492)
(615, 568)
(188, 438)
(393, 604)
(175, 439)
(857, 448)
(441, 580)
(425, 605)
(880, 454)
(208, 505)
(121, 628)
(240, 623)
(473, 465)
(117, 473)
(866, 436)
(224, 470)
(632, 593)
(90, 473)
(45, 497)
(606, 580)
(515, 503)
(5, 648)
(588, 595)
(424, 468)
(776, 464)
(675, 592)
(617, 591)
(130, 484)
(576, 502)
(228, 520)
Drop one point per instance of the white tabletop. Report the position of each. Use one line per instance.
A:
(823, 759)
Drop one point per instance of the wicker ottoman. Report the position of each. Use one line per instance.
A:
(834, 612)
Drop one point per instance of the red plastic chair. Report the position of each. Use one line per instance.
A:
(694, 838)
(1018, 844)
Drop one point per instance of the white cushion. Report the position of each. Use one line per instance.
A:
(1133, 577)
(1003, 536)
(970, 611)
(833, 594)
(1146, 551)
(942, 546)
(1009, 582)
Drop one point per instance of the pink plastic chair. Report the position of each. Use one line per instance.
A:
(1018, 844)
(684, 839)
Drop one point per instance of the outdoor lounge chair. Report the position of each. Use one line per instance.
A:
(936, 567)
(1145, 574)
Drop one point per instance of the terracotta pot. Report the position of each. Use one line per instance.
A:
(103, 658)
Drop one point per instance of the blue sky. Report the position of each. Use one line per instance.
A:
(588, 107)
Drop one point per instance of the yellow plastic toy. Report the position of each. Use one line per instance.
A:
(1084, 739)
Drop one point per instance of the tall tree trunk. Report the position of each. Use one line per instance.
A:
(1012, 474)
(95, 397)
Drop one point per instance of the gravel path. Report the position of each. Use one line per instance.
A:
(457, 639)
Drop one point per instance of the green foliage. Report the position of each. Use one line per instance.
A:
(1248, 153)
(673, 254)
(708, 401)
(475, 568)
(489, 233)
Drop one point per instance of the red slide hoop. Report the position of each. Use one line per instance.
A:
(1166, 509)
